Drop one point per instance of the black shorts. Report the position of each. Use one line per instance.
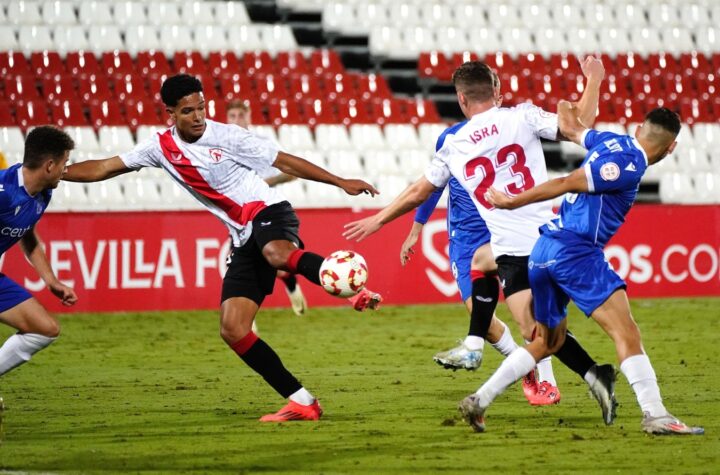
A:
(513, 273)
(249, 274)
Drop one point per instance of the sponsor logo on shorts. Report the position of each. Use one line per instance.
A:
(265, 223)
(484, 299)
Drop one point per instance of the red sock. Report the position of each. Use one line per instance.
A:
(476, 274)
(293, 260)
(244, 344)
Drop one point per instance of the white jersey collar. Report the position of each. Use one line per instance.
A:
(639, 147)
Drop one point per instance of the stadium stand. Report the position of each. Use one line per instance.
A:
(96, 68)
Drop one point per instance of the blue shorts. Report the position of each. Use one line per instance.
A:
(462, 248)
(11, 294)
(568, 268)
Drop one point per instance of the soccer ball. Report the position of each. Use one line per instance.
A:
(343, 273)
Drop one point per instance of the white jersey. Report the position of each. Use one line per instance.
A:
(220, 170)
(501, 148)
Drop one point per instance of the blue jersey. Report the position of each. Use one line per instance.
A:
(463, 216)
(18, 210)
(613, 167)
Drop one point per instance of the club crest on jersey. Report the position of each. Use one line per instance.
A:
(216, 154)
(610, 172)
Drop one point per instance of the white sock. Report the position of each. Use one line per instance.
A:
(302, 396)
(19, 348)
(641, 376)
(519, 363)
(545, 371)
(505, 345)
(474, 343)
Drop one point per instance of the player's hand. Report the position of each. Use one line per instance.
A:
(592, 67)
(498, 199)
(355, 187)
(407, 247)
(63, 292)
(359, 230)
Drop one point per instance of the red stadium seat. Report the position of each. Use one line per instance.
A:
(715, 64)
(190, 62)
(614, 86)
(258, 62)
(421, 111)
(324, 61)
(257, 112)
(628, 110)
(568, 65)
(284, 112)
(154, 84)
(68, 113)
(660, 63)
(223, 63)
(695, 63)
(82, 64)
(627, 64)
(152, 64)
(106, 113)
(216, 109)
(270, 86)
(13, 63)
(6, 117)
(130, 89)
(319, 111)
(434, 65)
(373, 86)
(304, 86)
(502, 63)
(59, 89)
(458, 59)
(93, 89)
(236, 88)
(291, 62)
(388, 111)
(515, 88)
(142, 112)
(645, 85)
(47, 64)
(118, 64)
(21, 88)
(31, 113)
(532, 65)
(340, 86)
(354, 112)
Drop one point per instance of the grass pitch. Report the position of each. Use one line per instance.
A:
(161, 393)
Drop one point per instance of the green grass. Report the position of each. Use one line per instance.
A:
(160, 393)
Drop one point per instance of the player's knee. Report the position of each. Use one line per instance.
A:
(232, 333)
(52, 329)
(277, 258)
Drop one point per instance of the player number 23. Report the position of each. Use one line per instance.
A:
(489, 168)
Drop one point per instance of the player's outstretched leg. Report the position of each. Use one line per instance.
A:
(601, 380)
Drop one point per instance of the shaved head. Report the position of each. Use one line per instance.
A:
(661, 127)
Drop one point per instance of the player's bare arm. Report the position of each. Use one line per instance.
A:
(576, 182)
(95, 170)
(32, 248)
(413, 196)
(279, 179)
(407, 246)
(569, 122)
(301, 168)
(587, 106)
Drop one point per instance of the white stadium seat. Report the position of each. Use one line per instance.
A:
(229, 13)
(175, 38)
(614, 40)
(367, 137)
(197, 13)
(8, 38)
(707, 187)
(115, 139)
(104, 38)
(70, 38)
(339, 18)
(677, 41)
(144, 132)
(345, 163)
(106, 195)
(630, 15)
(129, 13)
(24, 12)
(312, 156)
(405, 14)
(11, 139)
(550, 41)
(245, 38)
(469, 16)
(502, 15)
(142, 193)
(95, 13)
(381, 162)
(694, 14)
(277, 38)
(416, 40)
(70, 196)
(35, 38)
(598, 15)
(141, 38)
(452, 40)
(676, 188)
(209, 38)
(265, 131)
(537, 15)
(436, 15)
(706, 135)
(331, 138)
(401, 136)
(84, 138)
(386, 41)
(367, 16)
(294, 137)
(174, 196)
(707, 39)
(566, 13)
(582, 41)
(164, 13)
(486, 40)
(663, 16)
(429, 134)
(59, 13)
(413, 162)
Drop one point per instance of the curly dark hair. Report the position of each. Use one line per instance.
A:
(476, 80)
(43, 142)
(176, 87)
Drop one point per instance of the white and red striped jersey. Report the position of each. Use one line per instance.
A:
(501, 148)
(221, 170)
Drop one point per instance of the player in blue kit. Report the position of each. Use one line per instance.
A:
(25, 192)
(567, 261)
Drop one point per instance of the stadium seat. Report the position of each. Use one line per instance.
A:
(244, 38)
(164, 13)
(707, 187)
(706, 134)
(371, 86)
(31, 112)
(401, 136)
(676, 188)
(340, 86)
(367, 16)
(283, 112)
(339, 18)
(330, 138)
(21, 88)
(210, 38)
(84, 138)
(6, 117)
(278, 38)
(223, 63)
(68, 113)
(129, 89)
(295, 137)
(270, 86)
(469, 16)
(435, 65)
(548, 41)
(229, 14)
(70, 196)
(106, 113)
(291, 62)
(405, 14)
(127, 13)
(14, 63)
(141, 38)
(197, 13)
(58, 89)
(104, 38)
(152, 64)
(504, 14)
(94, 89)
(304, 86)
(354, 112)
(118, 64)
(11, 139)
(216, 109)
(95, 13)
(106, 195)
(23, 12)
(415, 40)
(568, 13)
(190, 62)
(143, 193)
(694, 13)
(145, 132)
(450, 40)
(388, 111)
(265, 131)
(142, 112)
(707, 39)
(326, 61)
(428, 134)
(421, 110)
(175, 38)
(344, 162)
(58, 13)
(236, 88)
(47, 64)
(318, 111)
(257, 62)
(115, 139)
(81, 64)
(538, 15)
(367, 137)
(35, 38)
(380, 162)
(70, 38)
(413, 161)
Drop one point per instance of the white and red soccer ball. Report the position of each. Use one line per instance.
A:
(343, 273)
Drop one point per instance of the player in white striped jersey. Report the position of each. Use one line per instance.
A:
(218, 165)
(499, 147)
